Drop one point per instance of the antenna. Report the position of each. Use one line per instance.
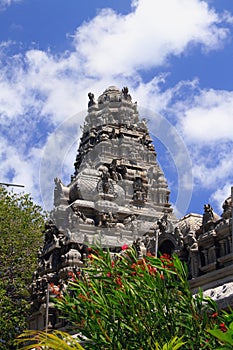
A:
(7, 184)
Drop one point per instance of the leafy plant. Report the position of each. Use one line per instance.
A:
(224, 330)
(60, 340)
(126, 303)
(42, 340)
(174, 344)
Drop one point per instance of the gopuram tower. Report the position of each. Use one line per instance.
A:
(117, 196)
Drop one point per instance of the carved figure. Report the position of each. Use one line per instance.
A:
(140, 192)
(179, 237)
(116, 171)
(227, 205)
(107, 219)
(91, 99)
(50, 231)
(119, 226)
(162, 223)
(113, 170)
(139, 246)
(105, 184)
(126, 94)
(193, 255)
(60, 191)
(103, 219)
(83, 217)
(208, 214)
(105, 181)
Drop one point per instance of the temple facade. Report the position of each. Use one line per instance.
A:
(118, 195)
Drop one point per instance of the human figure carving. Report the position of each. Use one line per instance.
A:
(208, 214)
(162, 223)
(227, 205)
(91, 99)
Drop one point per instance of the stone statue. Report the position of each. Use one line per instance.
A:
(81, 216)
(91, 99)
(105, 184)
(193, 255)
(49, 231)
(105, 181)
(162, 224)
(113, 170)
(140, 193)
(126, 94)
(208, 214)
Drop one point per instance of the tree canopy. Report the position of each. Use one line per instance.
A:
(21, 224)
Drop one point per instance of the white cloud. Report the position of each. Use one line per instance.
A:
(219, 196)
(20, 169)
(113, 44)
(208, 118)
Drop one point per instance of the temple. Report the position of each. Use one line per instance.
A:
(118, 196)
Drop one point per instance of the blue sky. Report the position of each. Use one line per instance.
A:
(174, 55)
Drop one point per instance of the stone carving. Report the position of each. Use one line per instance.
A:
(139, 247)
(117, 172)
(144, 140)
(50, 232)
(126, 94)
(113, 171)
(132, 224)
(105, 184)
(59, 239)
(91, 99)
(164, 224)
(179, 238)
(140, 192)
(143, 124)
(193, 260)
(82, 217)
(107, 219)
(208, 214)
(227, 208)
(60, 191)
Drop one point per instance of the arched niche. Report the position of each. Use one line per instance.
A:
(167, 244)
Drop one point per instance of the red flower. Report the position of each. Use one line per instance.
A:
(165, 256)
(125, 247)
(119, 282)
(109, 274)
(222, 327)
(214, 315)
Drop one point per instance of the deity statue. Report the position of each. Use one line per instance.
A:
(91, 99)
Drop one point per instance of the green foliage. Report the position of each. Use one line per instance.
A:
(224, 330)
(21, 235)
(56, 340)
(174, 344)
(128, 303)
(60, 340)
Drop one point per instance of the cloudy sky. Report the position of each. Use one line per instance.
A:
(174, 55)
